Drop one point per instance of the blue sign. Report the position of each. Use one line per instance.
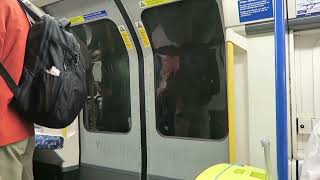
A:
(251, 10)
(95, 15)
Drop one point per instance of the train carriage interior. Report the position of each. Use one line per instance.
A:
(175, 87)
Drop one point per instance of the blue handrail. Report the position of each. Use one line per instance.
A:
(281, 90)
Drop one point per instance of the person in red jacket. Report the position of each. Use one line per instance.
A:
(16, 135)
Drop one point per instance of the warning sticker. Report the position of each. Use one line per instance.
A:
(150, 3)
(143, 35)
(142, 4)
(87, 17)
(77, 20)
(126, 38)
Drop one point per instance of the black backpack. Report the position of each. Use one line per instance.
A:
(49, 98)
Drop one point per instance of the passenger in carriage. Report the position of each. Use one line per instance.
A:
(191, 101)
(196, 84)
(169, 65)
(108, 78)
(105, 67)
(16, 135)
(185, 85)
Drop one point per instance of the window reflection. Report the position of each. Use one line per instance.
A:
(188, 44)
(108, 78)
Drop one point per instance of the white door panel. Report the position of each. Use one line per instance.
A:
(103, 143)
(175, 156)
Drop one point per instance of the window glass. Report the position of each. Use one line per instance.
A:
(108, 81)
(190, 77)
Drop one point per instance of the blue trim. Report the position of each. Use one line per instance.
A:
(308, 15)
(281, 90)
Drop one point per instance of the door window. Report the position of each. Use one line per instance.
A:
(108, 79)
(190, 77)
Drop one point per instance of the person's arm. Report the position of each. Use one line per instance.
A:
(3, 17)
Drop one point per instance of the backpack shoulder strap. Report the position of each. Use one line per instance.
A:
(29, 11)
(8, 79)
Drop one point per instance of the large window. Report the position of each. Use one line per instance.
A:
(189, 56)
(108, 79)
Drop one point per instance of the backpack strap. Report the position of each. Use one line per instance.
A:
(8, 79)
(29, 11)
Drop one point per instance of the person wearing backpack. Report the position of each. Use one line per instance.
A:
(16, 135)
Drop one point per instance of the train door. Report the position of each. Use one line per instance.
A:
(185, 85)
(110, 122)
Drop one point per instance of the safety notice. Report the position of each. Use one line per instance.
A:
(251, 10)
(143, 35)
(125, 36)
(150, 3)
(307, 7)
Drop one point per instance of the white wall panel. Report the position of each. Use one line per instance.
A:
(262, 109)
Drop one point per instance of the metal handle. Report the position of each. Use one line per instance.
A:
(266, 146)
(39, 12)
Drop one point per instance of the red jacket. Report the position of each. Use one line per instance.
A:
(14, 28)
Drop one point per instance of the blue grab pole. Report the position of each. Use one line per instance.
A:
(281, 90)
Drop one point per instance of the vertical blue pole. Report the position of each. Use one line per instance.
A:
(281, 90)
